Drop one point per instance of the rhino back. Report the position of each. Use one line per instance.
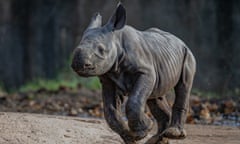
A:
(168, 52)
(159, 51)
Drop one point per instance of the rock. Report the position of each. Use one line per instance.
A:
(73, 112)
(205, 114)
(229, 106)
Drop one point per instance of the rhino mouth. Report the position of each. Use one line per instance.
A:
(86, 72)
(89, 69)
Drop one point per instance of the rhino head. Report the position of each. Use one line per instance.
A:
(97, 52)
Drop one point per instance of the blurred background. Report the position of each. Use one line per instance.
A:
(37, 39)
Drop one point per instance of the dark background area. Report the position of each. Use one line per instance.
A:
(38, 36)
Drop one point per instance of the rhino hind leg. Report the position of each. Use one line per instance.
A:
(176, 129)
(181, 103)
(162, 113)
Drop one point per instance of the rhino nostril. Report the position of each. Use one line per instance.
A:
(87, 65)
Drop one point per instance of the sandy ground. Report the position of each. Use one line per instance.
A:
(22, 128)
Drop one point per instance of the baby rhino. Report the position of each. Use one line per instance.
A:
(141, 66)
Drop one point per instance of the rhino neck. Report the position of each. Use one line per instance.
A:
(119, 47)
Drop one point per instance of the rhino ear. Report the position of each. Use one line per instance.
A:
(96, 21)
(118, 19)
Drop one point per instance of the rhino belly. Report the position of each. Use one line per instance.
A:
(167, 76)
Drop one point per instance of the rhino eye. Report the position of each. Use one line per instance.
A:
(101, 49)
(100, 52)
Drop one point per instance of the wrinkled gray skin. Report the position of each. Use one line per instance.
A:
(142, 66)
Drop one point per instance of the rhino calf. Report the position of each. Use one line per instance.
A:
(142, 66)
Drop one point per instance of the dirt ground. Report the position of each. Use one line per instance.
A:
(23, 128)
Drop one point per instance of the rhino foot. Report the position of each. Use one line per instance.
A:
(175, 133)
(156, 139)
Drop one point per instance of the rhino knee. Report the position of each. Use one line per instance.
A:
(133, 109)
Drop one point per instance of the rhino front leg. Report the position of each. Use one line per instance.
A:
(138, 122)
(112, 112)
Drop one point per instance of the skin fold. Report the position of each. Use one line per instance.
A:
(142, 66)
